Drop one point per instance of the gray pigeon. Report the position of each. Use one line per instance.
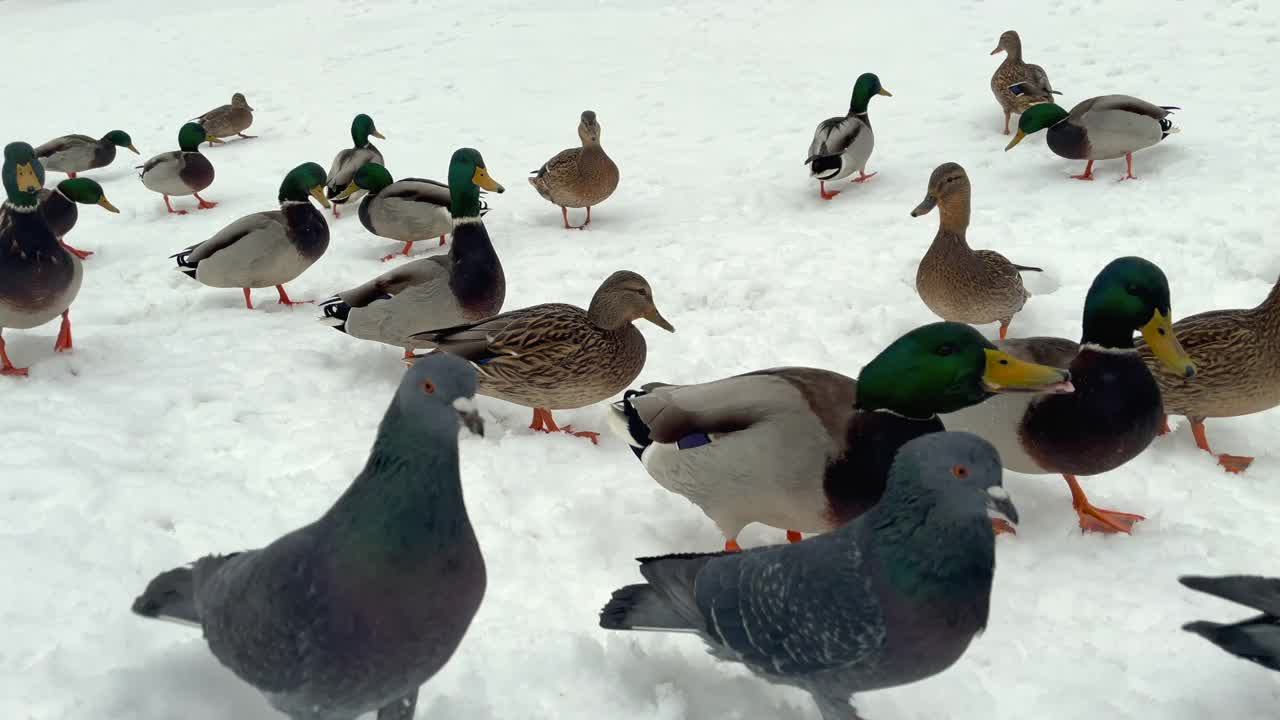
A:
(1256, 639)
(890, 598)
(355, 611)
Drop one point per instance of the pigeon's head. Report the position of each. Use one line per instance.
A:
(438, 392)
(961, 469)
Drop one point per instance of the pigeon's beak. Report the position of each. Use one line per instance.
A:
(999, 504)
(469, 415)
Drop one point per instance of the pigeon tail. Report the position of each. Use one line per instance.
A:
(641, 607)
(170, 596)
(1257, 640)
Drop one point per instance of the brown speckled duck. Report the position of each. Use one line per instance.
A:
(557, 356)
(956, 282)
(1237, 358)
(227, 120)
(578, 177)
(1013, 71)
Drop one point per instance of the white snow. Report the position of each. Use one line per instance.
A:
(184, 424)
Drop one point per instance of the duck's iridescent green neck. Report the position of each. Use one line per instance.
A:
(464, 195)
(866, 86)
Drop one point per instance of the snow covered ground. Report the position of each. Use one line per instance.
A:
(183, 423)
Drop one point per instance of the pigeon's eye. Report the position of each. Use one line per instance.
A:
(960, 471)
(428, 387)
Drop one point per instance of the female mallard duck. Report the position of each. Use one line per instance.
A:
(1012, 72)
(1115, 411)
(181, 172)
(1100, 128)
(809, 449)
(1237, 358)
(465, 286)
(407, 210)
(843, 144)
(39, 279)
(58, 206)
(956, 282)
(349, 160)
(556, 356)
(227, 120)
(266, 248)
(73, 154)
(578, 177)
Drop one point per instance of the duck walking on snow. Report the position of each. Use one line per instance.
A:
(73, 154)
(578, 177)
(227, 120)
(843, 144)
(58, 206)
(181, 172)
(348, 162)
(1011, 73)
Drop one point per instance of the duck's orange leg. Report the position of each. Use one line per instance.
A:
(1230, 463)
(1094, 519)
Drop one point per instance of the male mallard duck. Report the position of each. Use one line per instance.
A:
(956, 282)
(843, 144)
(349, 160)
(557, 356)
(1100, 128)
(227, 120)
(407, 210)
(1013, 72)
(58, 206)
(181, 172)
(578, 177)
(39, 279)
(1237, 358)
(1115, 411)
(73, 154)
(465, 286)
(809, 449)
(266, 248)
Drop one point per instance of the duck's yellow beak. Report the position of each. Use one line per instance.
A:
(885, 93)
(134, 149)
(997, 51)
(1158, 332)
(1016, 139)
(106, 205)
(482, 179)
(1006, 373)
(28, 180)
(377, 134)
(348, 191)
(655, 317)
(317, 192)
(214, 140)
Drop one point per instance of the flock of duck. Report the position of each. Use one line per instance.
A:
(896, 470)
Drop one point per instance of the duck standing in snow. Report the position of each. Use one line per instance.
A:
(1256, 639)
(1116, 410)
(465, 286)
(39, 278)
(889, 599)
(557, 356)
(348, 161)
(1100, 128)
(181, 172)
(227, 120)
(406, 210)
(843, 144)
(1237, 359)
(58, 206)
(269, 248)
(806, 449)
(352, 613)
(955, 281)
(578, 177)
(1011, 73)
(73, 154)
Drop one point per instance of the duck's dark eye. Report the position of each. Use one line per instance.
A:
(1131, 289)
(945, 350)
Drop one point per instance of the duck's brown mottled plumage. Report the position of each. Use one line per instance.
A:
(958, 283)
(227, 120)
(578, 177)
(1013, 71)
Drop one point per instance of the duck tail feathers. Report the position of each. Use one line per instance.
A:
(625, 422)
(825, 167)
(184, 266)
(336, 310)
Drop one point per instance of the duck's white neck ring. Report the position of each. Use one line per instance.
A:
(467, 220)
(1113, 351)
(24, 209)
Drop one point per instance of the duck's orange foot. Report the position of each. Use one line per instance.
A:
(731, 545)
(1164, 426)
(1003, 527)
(1234, 463)
(794, 536)
(82, 254)
(863, 177)
(594, 437)
(1093, 519)
(11, 371)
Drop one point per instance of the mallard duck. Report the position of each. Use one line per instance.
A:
(181, 172)
(578, 177)
(407, 210)
(557, 356)
(227, 120)
(1100, 128)
(73, 154)
(1012, 72)
(266, 248)
(1237, 358)
(39, 279)
(956, 282)
(58, 206)
(465, 286)
(810, 449)
(843, 144)
(349, 160)
(1115, 411)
